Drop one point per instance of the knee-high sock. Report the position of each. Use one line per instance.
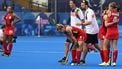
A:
(102, 56)
(106, 55)
(115, 54)
(74, 55)
(5, 44)
(78, 56)
(10, 47)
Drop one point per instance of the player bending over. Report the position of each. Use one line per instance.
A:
(77, 37)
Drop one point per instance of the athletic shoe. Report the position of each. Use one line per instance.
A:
(5, 54)
(63, 60)
(78, 63)
(104, 64)
(113, 64)
(82, 61)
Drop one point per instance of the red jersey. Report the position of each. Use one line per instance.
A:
(9, 18)
(9, 28)
(79, 34)
(102, 30)
(112, 31)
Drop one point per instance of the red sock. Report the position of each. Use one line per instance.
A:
(115, 54)
(73, 55)
(102, 56)
(78, 55)
(10, 47)
(106, 55)
(5, 44)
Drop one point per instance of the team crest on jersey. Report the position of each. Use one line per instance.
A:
(10, 17)
(80, 37)
(10, 31)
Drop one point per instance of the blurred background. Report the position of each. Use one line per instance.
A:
(38, 17)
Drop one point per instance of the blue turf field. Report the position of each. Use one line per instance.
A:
(44, 52)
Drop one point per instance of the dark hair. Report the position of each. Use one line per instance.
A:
(12, 7)
(59, 26)
(74, 1)
(106, 8)
(86, 2)
(115, 5)
(118, 7)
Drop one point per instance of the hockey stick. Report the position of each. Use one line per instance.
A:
(110, 56)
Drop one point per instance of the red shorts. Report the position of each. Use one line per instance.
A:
(8, 30)
(102, 33)
(82, 38)
(113, 34)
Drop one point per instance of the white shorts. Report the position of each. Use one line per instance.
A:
(1, 33)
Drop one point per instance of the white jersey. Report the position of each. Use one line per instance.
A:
(93, 28)
(1, 33)
(75, 19)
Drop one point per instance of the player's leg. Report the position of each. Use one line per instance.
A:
(73, 53)
(101, 53)
(105, 52)
(79, 50)
(97, 47)
(95, 42)
(84, 53)
(5, 44)
(85, 48)
(64, 60)
(10, 45)
(66, 50)
(115, 52)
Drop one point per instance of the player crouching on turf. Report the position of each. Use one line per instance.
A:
(77, 37)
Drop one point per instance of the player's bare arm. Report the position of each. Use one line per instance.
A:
(115, 20)
(17, 17)
(86, 23)
(80, 23)
(70, 35)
